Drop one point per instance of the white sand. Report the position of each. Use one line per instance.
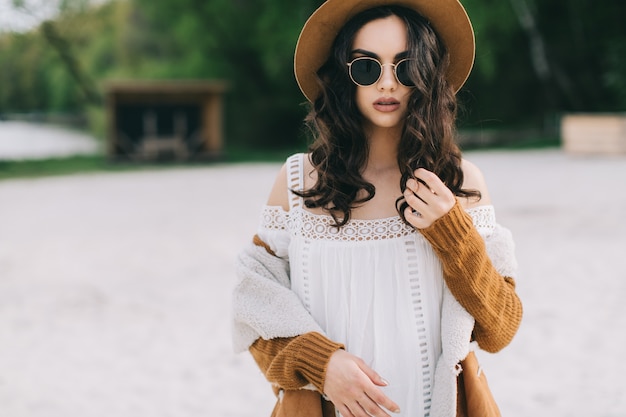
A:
(115, 290)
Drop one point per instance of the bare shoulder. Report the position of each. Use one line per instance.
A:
(279, 196)
(473, 179)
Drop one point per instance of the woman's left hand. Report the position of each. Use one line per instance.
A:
(428, 197)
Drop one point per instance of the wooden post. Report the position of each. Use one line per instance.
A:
(601, 133)
(111, 122)
(212, 124)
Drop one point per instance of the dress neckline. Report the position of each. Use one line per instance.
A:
(477, 209)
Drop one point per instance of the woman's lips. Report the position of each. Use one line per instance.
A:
(386, 104)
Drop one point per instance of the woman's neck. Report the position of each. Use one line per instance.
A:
(383, 150)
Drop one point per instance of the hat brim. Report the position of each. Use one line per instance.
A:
(447, 17)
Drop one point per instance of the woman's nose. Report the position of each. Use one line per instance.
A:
(388, 79)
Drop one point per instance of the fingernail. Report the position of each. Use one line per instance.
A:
(384, 381)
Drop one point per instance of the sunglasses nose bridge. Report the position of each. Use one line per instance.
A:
(393, 76)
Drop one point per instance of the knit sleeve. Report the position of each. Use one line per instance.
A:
(473, 280)
(295, 362)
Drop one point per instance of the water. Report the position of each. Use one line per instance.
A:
(27, 140)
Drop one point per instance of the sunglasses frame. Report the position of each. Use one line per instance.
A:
(382, 67)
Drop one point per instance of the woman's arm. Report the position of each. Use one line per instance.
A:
(291, 363)
(311, 358)
(295, 362)
(469, 273)
(488, 296)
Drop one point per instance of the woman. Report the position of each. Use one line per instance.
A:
(378, 258)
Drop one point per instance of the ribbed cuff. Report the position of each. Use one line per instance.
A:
(314, 353)
(451, 229)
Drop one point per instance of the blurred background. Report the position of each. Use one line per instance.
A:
(115, 286)
(536, 60)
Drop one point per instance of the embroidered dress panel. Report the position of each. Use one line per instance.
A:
(374, 285)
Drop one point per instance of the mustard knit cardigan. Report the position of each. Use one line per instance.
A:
(299, 361)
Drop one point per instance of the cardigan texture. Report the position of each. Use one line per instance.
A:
(293, 352)
(263, 303)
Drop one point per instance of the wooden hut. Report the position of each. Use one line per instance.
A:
(165, 120)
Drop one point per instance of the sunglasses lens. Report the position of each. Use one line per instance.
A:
(402, 72)
(365, 71)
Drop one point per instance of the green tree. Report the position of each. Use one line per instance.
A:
(535, 59)
(538, 59)
(249, 43)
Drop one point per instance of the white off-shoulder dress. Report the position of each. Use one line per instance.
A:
(374, 285)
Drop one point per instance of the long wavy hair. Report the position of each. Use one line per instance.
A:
(340, 149)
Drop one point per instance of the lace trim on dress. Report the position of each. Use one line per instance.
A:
(484, 218)
(274, 218)
(320, 226)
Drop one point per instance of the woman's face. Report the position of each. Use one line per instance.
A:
(384, 103)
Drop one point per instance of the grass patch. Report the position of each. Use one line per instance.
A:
(533, 142)
(508, 139)
(259, 155)
(52, 166)
(72, 165)
(99, 163)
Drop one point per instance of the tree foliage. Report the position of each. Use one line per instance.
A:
(248, 42)
(538, 59)
(535, 59)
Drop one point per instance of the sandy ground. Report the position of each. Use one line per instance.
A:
(115, 290)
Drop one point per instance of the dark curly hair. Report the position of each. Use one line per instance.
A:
(339, 151)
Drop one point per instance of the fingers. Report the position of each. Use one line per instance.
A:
(427, 184)
(351, 385)
(371, 407)
(344, 410)
(363, 406)
(431, 180)
(371, 374)
(378, 400)
(428, 199)
(376, 395)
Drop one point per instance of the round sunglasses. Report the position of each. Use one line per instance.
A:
(365, 71)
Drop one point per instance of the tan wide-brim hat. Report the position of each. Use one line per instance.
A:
(447, 17)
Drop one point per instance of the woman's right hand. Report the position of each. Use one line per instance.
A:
(353, 387)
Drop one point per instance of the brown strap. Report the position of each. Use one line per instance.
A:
(258, 242)
(474, 397)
